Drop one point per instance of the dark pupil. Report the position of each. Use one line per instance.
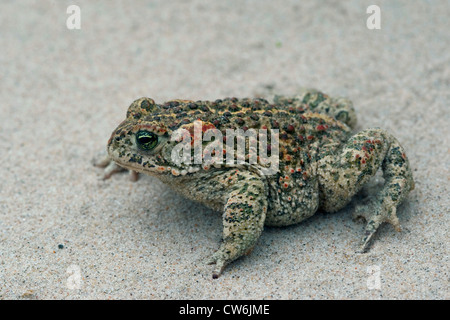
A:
(146, 140)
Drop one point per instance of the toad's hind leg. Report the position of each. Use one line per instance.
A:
(342, 175)
(339, 108)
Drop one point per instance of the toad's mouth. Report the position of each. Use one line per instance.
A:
(136, 162)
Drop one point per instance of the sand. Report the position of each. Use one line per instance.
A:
(67, 234)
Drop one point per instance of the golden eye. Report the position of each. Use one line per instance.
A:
(146, 140)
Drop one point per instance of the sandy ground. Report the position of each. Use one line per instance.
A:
(66, 234)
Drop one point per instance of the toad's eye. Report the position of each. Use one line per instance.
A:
(146, 140)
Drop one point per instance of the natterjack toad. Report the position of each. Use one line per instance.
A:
(319, 164)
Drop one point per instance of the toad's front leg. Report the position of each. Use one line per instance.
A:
(102, 160)
(243, 222)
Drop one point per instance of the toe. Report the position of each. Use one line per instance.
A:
(101, 160)
(371, 229)
(220, 265)
(134, 175)
(393, 219)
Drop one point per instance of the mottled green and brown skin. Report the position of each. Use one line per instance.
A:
(322, 165)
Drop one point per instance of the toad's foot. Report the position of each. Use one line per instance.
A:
(342, 175)
(102, 160)
(243, 221)
(375, 212)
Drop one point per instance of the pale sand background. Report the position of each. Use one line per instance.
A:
(62, 93)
